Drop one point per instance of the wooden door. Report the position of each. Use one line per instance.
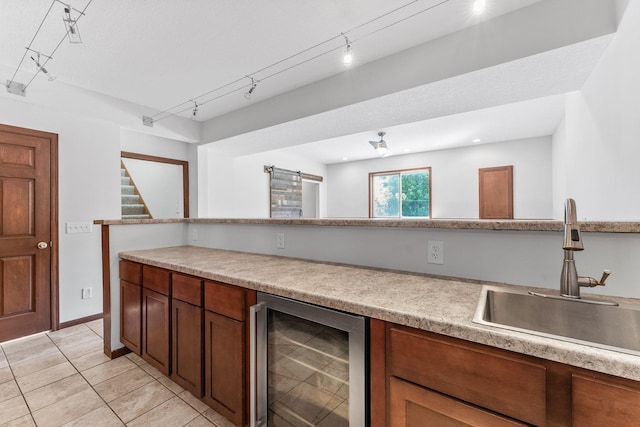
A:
(496, 192)
(131, 316)
(224, 342)
(27, 216)
(155, 329)
(186, 346)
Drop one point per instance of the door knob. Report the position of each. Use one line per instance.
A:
(43, 245)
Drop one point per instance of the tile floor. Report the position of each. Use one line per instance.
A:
(63, 378)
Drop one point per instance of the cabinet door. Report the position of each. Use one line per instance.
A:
(186, 339)
(414, 406)
(130, 315)
(600, 402)
(155, 329)
(225, 366)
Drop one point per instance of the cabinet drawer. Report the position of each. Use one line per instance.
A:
(225, 299)
(599, 403)
(493, 379)
(157, 279)
(411, 405)
(187, 289)
(131, 271)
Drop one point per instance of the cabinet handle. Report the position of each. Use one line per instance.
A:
(258, 364)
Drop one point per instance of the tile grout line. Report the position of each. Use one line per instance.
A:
(174, 394)
(83, 377)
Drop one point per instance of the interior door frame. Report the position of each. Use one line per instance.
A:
(185, 173)
(53, 147)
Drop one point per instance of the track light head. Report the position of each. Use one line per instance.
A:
(252, 89)
(479, 6)
(72, 26)
(39, 66)
(347, 59)
(195, 111)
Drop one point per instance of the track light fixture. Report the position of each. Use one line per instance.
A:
(347, 59)
(479, 6)
(281, 66)
(72, 33)
(195, 111)
(40, 67)
(71, 25)
(252, 89)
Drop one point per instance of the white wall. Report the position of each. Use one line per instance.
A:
(153, 145)
(132, 237)
(522, 258)
(89, 143)
(600, 147)
(88, 170)
(454, 180)
(160, 185)
(238, 187)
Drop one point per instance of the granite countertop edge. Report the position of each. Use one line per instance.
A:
(431, 303)
(451, 224)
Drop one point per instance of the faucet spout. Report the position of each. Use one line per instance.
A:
(570, 282)
(572, 237)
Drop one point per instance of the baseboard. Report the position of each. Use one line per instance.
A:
(116, 353)
(80, 321)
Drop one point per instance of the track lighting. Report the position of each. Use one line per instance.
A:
(41, 68)
(195, 111)
(347, 59)
(284, 65)
(479, 6)
(72, 26)
(248, 93)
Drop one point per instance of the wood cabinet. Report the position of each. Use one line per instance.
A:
(131, 305)
(500, 382)
(412, 405)
(599, 400)
(187, 333)
(156, 317)
(225, 349)
(438, 380)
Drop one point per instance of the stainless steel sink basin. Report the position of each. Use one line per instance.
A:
(611, 327)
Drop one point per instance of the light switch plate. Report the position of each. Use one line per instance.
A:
(79, 227)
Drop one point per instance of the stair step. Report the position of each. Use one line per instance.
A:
(132, 209)
(125, 180)
(130, 199)
(143, 216)
(127, 189)
(122, 172)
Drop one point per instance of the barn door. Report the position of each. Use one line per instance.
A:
(25, 231)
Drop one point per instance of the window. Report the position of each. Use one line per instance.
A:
(400, 194)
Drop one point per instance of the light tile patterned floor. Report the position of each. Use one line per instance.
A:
(63, 378)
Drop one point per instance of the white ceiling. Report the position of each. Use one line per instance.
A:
(161, 53)
(527, 119)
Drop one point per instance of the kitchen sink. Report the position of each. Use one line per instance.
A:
(610, 327)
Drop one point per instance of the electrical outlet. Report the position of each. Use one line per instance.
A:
(86, 293)
(79, 227)
(435, 252)
(280, 240)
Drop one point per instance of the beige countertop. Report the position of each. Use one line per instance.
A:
(441, 305)
(452, 224)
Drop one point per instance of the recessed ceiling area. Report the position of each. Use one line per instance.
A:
(527, 119)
